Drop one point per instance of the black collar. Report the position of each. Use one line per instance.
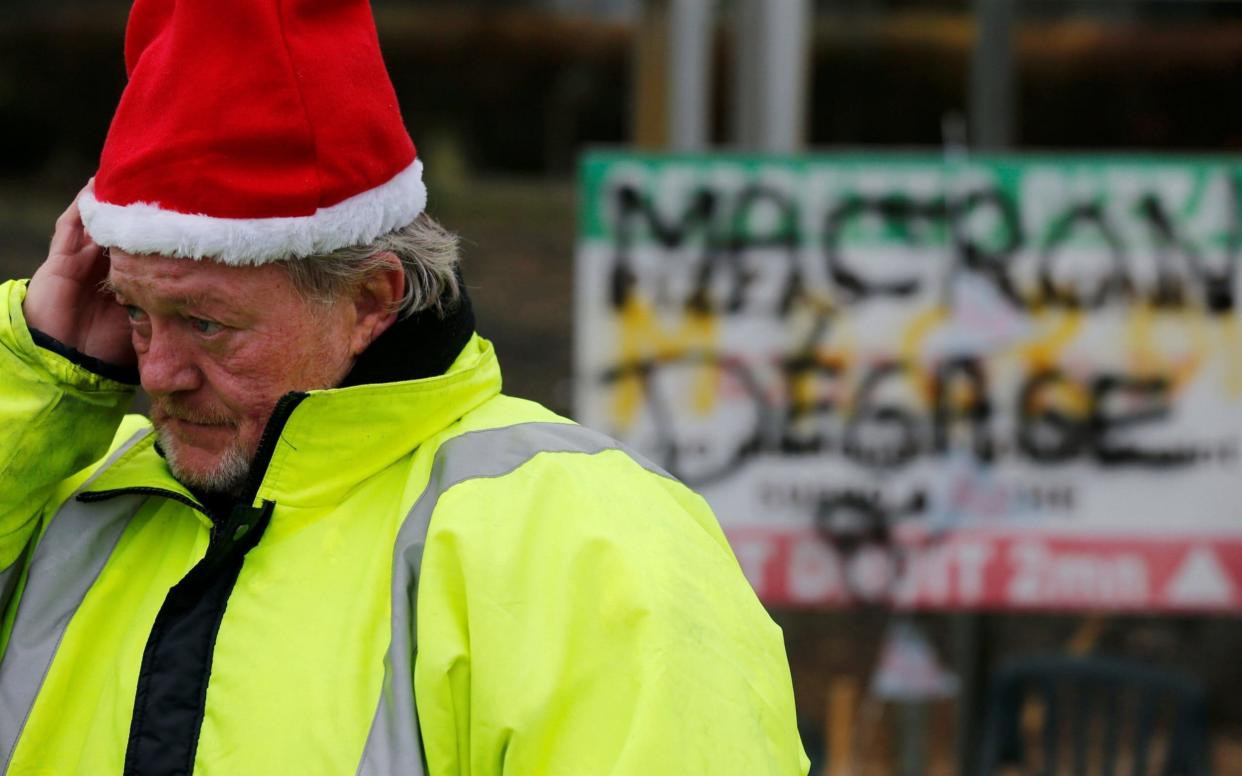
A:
(423, 345)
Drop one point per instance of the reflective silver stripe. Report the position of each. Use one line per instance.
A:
(67, 561)
(10, 576)
(394, 744)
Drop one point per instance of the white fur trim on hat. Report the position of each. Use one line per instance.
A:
(146, 228)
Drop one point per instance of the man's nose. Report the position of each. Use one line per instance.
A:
(166, 366)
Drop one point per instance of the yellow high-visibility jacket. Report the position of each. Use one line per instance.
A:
(431, 578)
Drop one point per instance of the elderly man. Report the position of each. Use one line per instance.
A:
(335, 547)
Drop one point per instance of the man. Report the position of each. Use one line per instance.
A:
(335, 547)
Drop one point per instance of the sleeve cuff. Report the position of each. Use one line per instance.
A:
(115, 372)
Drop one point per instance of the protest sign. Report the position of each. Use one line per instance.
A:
(997, 382)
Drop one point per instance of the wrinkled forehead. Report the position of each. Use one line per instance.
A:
(176, 280)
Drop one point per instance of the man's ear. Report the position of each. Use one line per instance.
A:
(376, 299)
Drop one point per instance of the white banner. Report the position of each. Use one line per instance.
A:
(860, 357)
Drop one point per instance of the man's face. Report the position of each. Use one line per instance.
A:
(217, 347)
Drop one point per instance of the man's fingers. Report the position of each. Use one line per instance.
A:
(69, 228)
(69, 232)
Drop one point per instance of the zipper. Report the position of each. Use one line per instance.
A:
(170, 697)
(267, 443)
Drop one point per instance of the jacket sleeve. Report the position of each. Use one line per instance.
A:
(56, 418)
(582, 615)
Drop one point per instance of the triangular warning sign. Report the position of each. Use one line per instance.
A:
(1200, 581)
(908, 669)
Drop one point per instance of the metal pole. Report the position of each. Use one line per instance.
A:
(786, 47)
(992, 110)
(913, 734)
(971, 658)
(772, 47)
(992, 76)
(650, 129)
(689, 56)
(747, 15)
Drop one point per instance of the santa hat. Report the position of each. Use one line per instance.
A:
(252, 131)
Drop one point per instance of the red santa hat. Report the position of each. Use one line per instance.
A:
(252, 131)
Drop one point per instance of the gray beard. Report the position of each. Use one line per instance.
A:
(228, 477)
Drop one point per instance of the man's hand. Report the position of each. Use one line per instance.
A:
(64, 299)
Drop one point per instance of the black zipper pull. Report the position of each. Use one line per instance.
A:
(241, 531)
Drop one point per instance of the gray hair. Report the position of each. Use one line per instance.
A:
(428, 253)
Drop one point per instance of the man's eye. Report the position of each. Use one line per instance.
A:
(203, 326)
(135, 314)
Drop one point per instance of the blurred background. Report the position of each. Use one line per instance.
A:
(995, 514)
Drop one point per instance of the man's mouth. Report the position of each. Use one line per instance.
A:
(198, 423)
(191, 421)
(184, 427)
